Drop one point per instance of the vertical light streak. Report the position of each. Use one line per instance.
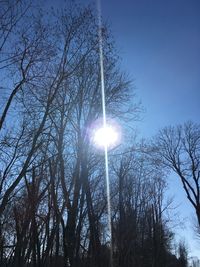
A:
(104, 125)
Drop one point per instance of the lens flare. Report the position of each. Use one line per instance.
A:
(102, 132)
(105, 136)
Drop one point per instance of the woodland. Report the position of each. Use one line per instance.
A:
(53, 201)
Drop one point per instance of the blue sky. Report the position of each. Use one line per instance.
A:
(158, 42)
(159, 45)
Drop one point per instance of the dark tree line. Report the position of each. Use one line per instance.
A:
(53, 207)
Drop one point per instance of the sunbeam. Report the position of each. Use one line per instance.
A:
(105, 127)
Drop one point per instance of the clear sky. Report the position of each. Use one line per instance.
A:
(159, 45)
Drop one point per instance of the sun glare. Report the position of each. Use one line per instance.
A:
(105, 136)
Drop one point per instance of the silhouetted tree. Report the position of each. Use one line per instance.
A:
(179, 148)
(141, 236)
(182, 255)
(52, 187)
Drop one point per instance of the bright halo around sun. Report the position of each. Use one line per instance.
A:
(106, 137)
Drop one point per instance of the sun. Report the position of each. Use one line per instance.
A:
(106, 137)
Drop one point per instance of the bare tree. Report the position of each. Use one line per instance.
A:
(62, 65)
(12, 14)
(140, 226)
(179, 148)
(52, 188)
